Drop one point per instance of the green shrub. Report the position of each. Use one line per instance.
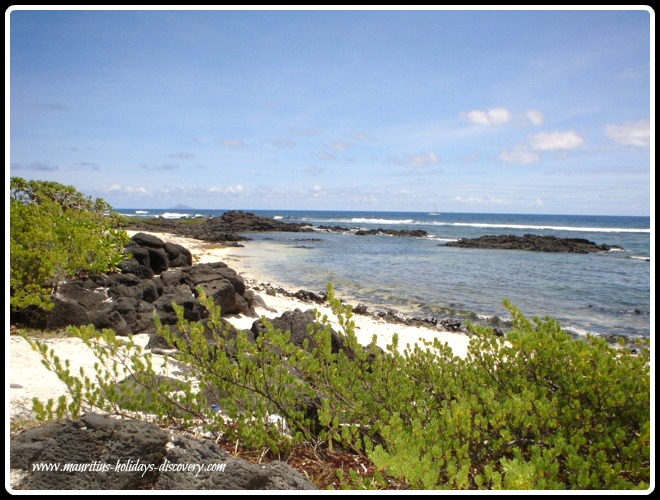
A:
(535, 411)
(57, 232)
(538, 410)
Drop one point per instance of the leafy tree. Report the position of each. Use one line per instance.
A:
(57, 232)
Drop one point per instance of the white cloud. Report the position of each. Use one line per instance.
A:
(534, 116)
(550, 141)
(318, 191)
(178, 191)
(237, 189)
(119, 188)
(630, 133)
(136, 190)
(543, 141)
(477, 200)
(422, 159)
(494, 116)
(520, 154)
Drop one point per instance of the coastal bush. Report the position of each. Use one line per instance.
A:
(57, 232)
(537, 410)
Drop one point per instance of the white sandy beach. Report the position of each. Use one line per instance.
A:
(28, 378)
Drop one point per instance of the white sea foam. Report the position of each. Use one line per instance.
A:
(547, 228)
(173, 215)
(437, 238)
(362, 220)
(580, 331)
(358, 220)
(278, 217)
(141, 211)
(640, 257)
(584, 229)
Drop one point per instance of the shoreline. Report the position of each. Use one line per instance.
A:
(28, 378)
(588, 295)
(282, 301)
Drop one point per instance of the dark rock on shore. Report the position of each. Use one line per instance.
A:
(154, 254)
(361, 309)
(448, 323)
(126, 302)
(307, 296)
(297, 323)
(404, 233)
(218, 229)
(152, 459)
(303, 295)
(534, 243)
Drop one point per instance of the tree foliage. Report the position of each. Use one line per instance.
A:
(57, 232)
(538, 410)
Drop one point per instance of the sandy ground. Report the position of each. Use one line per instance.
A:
(28, 378)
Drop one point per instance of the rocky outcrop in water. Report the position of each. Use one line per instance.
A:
(133, 455)
(533, 243)
(404, 233)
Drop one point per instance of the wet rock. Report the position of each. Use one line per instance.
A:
(533, 243)
(307, 296)
(404, 233)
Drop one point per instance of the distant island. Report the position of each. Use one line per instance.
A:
(181, 206)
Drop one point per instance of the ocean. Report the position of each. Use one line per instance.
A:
(605, 294)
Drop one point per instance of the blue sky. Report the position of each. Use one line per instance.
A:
(536, 111)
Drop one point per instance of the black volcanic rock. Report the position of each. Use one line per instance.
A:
(240, 221)
(405, 233)
(533, 243)
(134, 455)
(127, 301)
(297, 323)
(218, 229)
